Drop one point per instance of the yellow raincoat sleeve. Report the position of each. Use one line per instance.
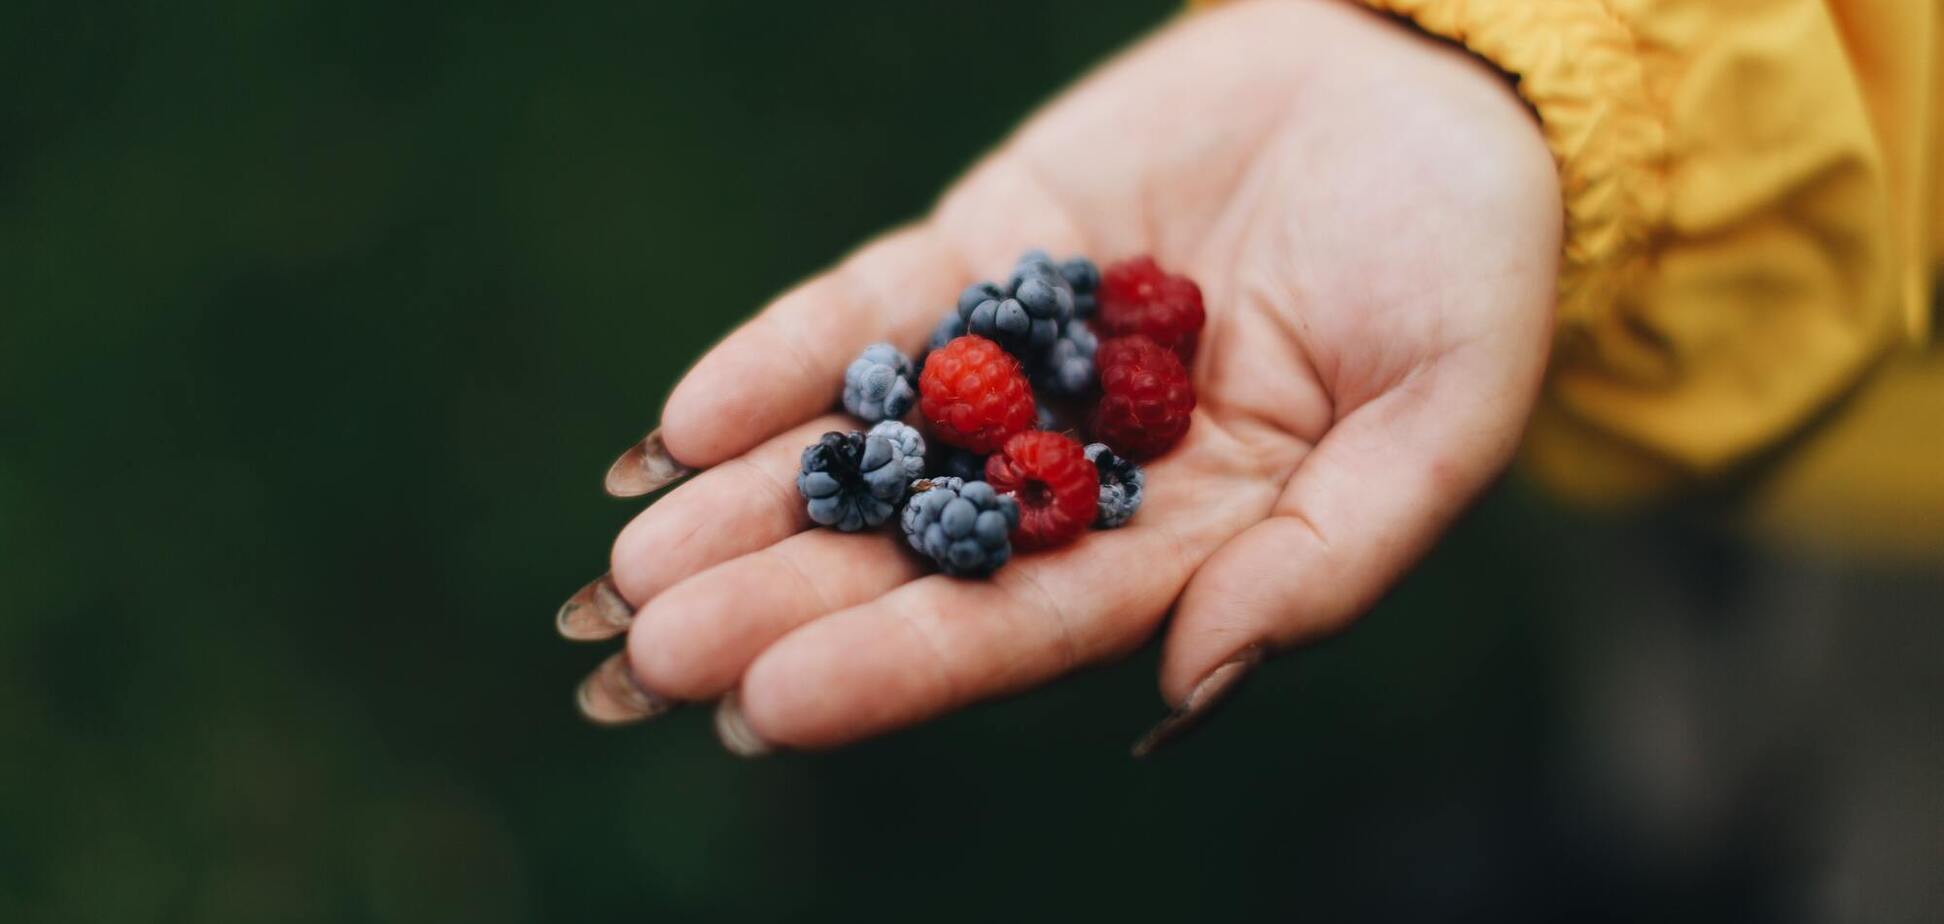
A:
(1749, 192)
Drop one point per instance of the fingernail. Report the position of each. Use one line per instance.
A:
(594, 612)
(610, 695)
(644, 469)
(732, 727)
(1202, 700)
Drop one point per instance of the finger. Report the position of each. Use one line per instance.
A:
(1362, 507)
(787, 364)
(646, 467)
(610, 696)
(733, 509)
(693, 641)
(939, 643)
(595, 612)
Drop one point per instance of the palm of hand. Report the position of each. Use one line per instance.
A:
(1373, 220)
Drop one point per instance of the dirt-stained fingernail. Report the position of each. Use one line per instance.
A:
(595, 612)
(732, 727)
(610, 696)
(644, 469)
(1211, 692)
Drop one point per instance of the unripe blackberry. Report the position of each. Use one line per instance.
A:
(880, 384)
(909, 442)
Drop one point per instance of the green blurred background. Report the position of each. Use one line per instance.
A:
(322, 321)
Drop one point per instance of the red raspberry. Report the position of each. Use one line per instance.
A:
(1138, 297)
(1145, 397)
(1057, 489)
(975, 394)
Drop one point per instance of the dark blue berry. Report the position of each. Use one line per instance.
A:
(1121, 482)
(964, 526)
(962, 464)
(1083, 277)
(950, 328)
(852, 481)
(1067, 368)
(976, 293)
(909, 442)
(880, 384)
(1025, 315)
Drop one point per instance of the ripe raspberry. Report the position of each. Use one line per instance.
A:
(1145, 397)
(975, 394)
(1058, 490)
(1138, 297)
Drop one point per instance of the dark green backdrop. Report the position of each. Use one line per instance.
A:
(321, 321)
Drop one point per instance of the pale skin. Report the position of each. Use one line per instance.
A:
(1375, 221)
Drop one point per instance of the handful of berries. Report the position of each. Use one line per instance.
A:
(1111, 348)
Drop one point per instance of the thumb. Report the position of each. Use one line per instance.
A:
(1361, 508)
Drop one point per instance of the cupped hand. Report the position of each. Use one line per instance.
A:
(1374, 219)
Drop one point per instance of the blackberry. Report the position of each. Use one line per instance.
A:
(1024, 316)
(979, 292)
(1121, 482)
(1083, 276)
(950, 328)
(1011, 323)
(963, 526)
(880, 384)
(852, 481)
(1067, 368)
(909, 442)
(1033, 264)
(962, 464)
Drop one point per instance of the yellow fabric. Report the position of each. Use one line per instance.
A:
(1752, 206)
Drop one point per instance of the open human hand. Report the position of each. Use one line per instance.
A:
(1374, 219)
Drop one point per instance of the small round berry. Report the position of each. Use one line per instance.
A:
(1058, 490)
(976, 293)
(1067, 368)
(851, 481)
(1121, 483)
(1138, 297)
(963, 526)
(909, 441)
(880, 384)
(1146, 398)
(1084, 278)
(974, 394)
